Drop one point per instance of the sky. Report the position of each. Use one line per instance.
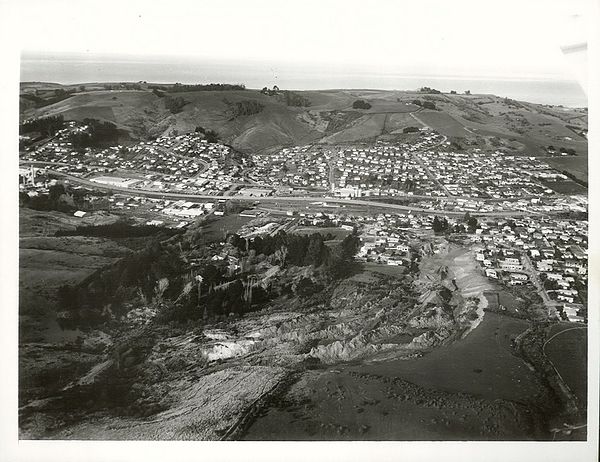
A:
(507, 38)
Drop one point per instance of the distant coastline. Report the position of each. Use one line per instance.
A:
(71, 69)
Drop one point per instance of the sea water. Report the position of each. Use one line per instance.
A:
(81, 68)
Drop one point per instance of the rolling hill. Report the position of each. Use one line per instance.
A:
(486, 121)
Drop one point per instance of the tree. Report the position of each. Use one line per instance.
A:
(472, 224)
(361, 104)
(438, 225)
(429, 105)
(350, 246)
(314, 252)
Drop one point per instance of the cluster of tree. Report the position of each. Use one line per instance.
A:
(469, 224)
(175, 104)
(158, 274)
(97, 134)
(211, 136)
(472, 223)
(440, 225)
(295, 100)
(105, 292)
(47, 126)
(429, 90)
(410, 130)
(158, 93)
(178, 87)
(429, 105)
(304, 250)
(270, 92)
(361, 104)
(59, 198)
(301, 250)
(243, 108)
(119, 229)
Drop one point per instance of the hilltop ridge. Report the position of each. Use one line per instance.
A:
(259, 121)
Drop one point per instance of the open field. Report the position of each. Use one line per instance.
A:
(482, 364)
(217, 229)
(568, 353)
(367, 126)
(567, 187)
(342, 405)
(575, 165)
(443, 123)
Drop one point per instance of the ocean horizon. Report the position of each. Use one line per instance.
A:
(81, 69)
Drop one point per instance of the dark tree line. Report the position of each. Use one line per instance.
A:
(47, 126)
(178, 87)
(97, 134)
(243, 108)
(109, 291)
(305, 250)
(59, 198)
(135, 274)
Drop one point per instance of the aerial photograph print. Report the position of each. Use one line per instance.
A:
(320, 221)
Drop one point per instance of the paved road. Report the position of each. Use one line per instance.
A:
(291, 199)
(548, 302)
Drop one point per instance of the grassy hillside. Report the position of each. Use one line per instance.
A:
(486, 121)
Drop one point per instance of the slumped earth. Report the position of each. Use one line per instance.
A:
(374, 357)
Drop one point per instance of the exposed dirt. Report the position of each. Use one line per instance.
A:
(350, 362)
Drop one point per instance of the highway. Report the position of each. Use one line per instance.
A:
(291, 199)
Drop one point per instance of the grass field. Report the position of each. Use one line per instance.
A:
(443, 123)
(367, 126)
(482, 364)
(568, 353)
(576, 165)
(218, 228)
(566, 187)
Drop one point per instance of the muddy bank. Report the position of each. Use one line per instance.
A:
(472, 389)
(345, 405)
